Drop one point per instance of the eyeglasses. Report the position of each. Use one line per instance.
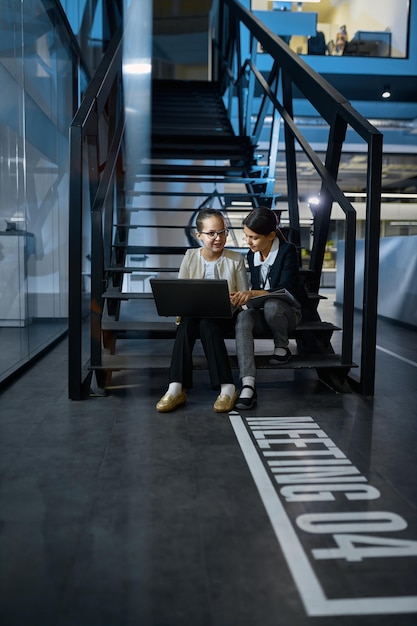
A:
(212, 234)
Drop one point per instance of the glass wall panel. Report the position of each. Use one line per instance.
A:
(13, 275)
(88, 20)
(36, 77)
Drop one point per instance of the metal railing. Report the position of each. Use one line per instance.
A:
(95, 161)
(239, 76)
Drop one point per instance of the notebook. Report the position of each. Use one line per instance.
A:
(258, 302)
(191, 297)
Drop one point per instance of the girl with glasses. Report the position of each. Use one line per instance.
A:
(211, 260)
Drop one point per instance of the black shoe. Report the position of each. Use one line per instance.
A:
(277, 359)
(246, 403)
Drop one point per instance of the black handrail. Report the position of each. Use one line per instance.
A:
(100, 113)
(289, 70)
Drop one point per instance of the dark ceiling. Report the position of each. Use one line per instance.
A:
(368, 87)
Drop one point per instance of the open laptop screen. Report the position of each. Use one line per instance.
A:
(191, 297)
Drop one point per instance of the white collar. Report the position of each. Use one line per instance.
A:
(271, 256)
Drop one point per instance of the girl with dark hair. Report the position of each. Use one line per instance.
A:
(211, 260)
(273, 265)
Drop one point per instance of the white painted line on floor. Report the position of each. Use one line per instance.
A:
(314, 599)
(303, 574)
(397, 356)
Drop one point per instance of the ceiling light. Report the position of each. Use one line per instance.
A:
(138, 67)
(386, 92)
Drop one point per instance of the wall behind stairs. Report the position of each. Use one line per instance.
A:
(397, 294)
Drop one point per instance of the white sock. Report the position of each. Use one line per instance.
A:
(247, 380)
(280, 351)
(175, 389)
(227, 389)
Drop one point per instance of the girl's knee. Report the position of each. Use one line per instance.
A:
(278, 305)
(207, 326)
(274, 305)
(205, 322)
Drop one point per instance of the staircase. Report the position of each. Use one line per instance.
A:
(196, 160)
(189, 122)
(142, 222)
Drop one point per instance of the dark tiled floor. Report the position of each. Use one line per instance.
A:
(114, 515)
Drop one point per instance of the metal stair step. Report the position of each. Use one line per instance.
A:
(123, 269)
(198, 170)
(139, 362)
(233, 178)
(152, 249)
(167, 330)
(139, 295)
(189, 120)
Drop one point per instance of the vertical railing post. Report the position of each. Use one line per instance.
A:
(75, 265)
(322, 215)
(291, 163)
(96, 286)
(96, 241)
(371, 268)
(349, 287)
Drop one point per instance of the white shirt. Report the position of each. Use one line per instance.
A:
(267, 263)
(211, 270)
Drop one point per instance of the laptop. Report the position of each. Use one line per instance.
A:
(191, 297)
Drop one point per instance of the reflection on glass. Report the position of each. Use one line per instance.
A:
(36, 75)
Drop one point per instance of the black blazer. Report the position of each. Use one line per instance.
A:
(283, 274)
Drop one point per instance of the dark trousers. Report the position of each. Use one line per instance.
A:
(211, 332)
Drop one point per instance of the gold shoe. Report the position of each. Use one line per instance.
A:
(225, 403)
(169, 402)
